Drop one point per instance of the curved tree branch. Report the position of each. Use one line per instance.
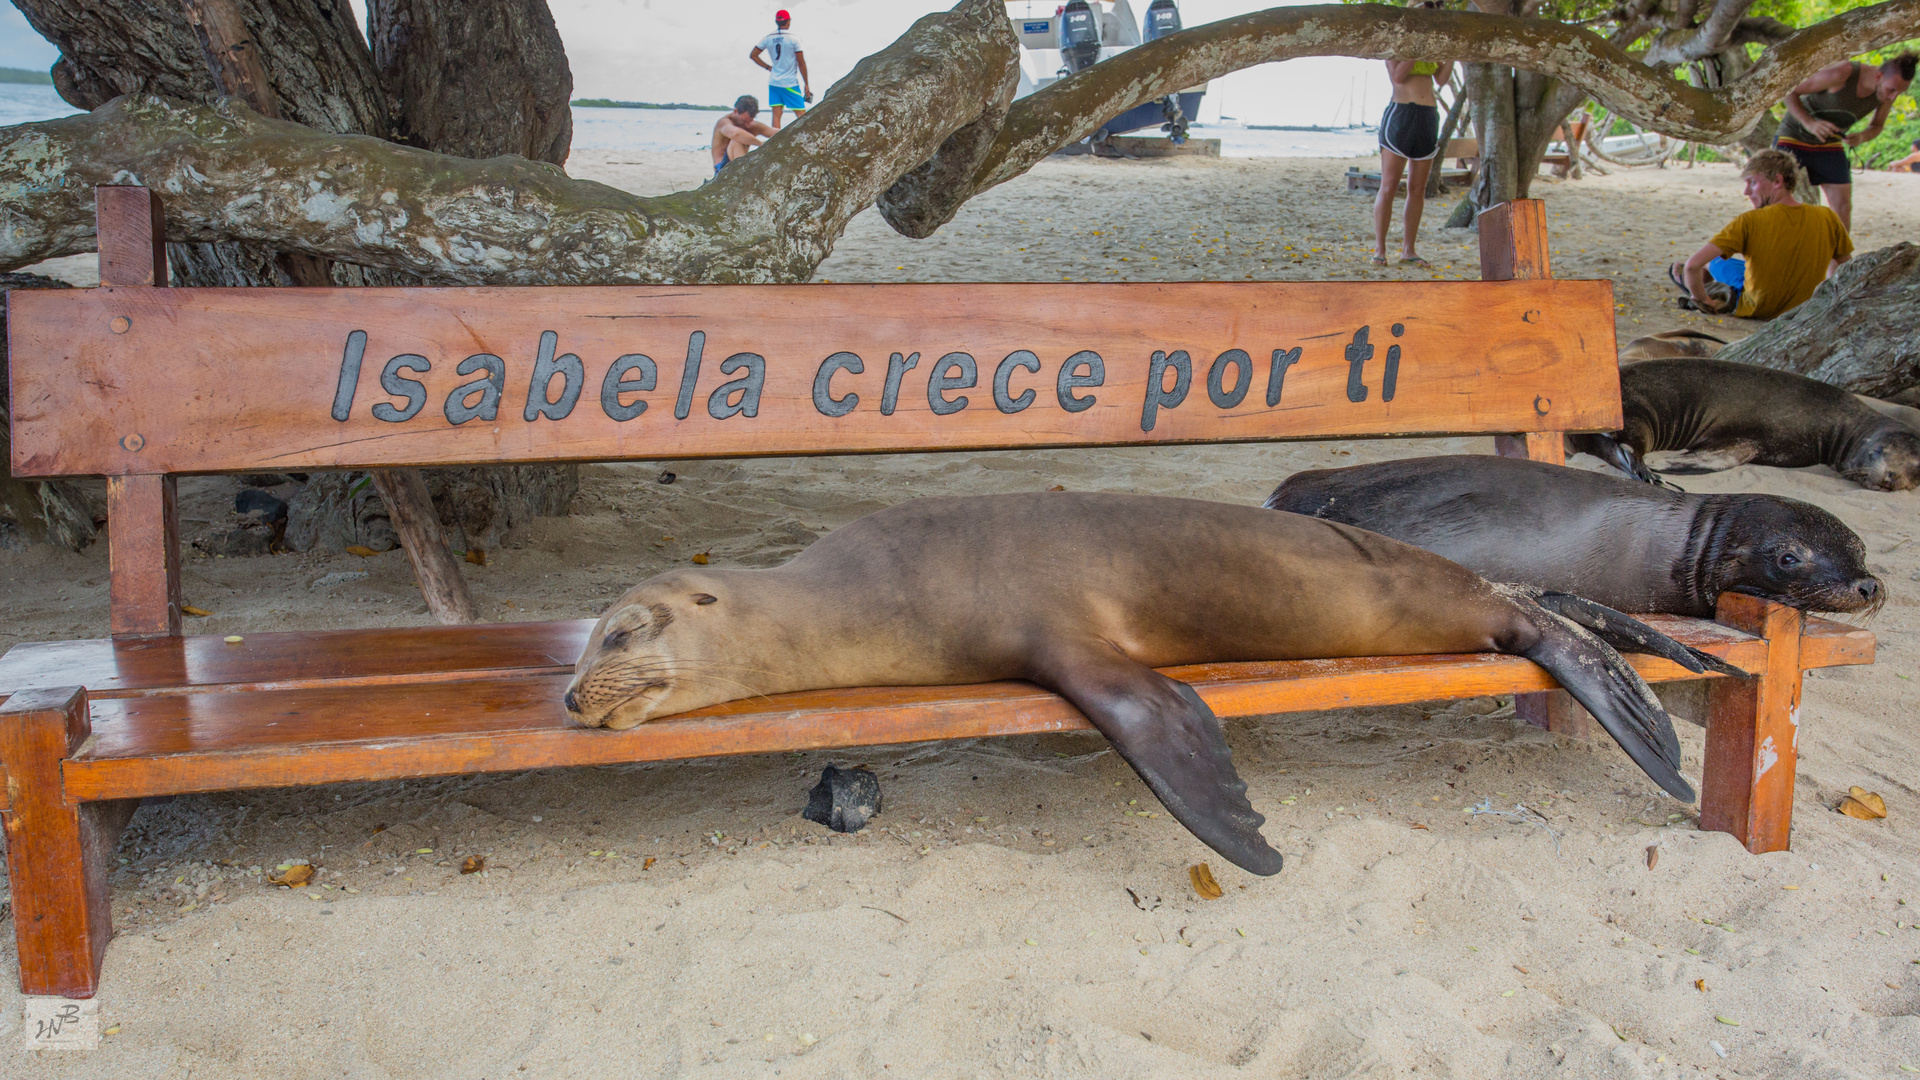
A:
(228, 173)
(1075, 107)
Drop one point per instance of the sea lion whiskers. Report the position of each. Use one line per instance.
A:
(626, 678)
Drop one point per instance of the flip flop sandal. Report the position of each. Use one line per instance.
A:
(1416, 261)
(1678, 281)
(1379, 260)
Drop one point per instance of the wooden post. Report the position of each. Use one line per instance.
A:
(1548, 446)
(57, 852)
(1513, 245)
(410, 509)
(130, 229)
(1513, 242)
(1753, 732)
(143, 522)
(143, 553)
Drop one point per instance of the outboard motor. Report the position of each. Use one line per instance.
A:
(1163, 18)
(1079, 36)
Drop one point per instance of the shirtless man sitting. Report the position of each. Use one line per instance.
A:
(738, 132)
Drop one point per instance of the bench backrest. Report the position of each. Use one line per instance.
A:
(139, 382)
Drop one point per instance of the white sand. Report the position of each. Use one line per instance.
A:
(1005, 916)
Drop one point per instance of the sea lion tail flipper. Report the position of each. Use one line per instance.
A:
(1615, 694)
(1173, 740)
(1628, 634)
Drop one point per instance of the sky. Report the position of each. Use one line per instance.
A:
(669, 50)
(20, 46)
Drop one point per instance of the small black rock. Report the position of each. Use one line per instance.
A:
(668, 478)
(844, 799)
(261, 505)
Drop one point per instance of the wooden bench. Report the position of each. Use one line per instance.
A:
(141, 383)
(1567, 162)
(1369, 182)
(1466, 155)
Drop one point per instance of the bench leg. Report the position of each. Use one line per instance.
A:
(1753, 733)
(57, 852)
(1556, 711)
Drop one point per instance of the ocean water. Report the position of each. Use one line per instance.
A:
(22, 103)
(690, 129)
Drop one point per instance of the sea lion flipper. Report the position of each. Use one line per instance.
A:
(1700, 462)
(1628, 634)
(1173, 740)
(1612, 450)
(1615, 694)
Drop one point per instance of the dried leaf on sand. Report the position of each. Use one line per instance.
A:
(1863, 804)
(293, 876)
(1202, 876)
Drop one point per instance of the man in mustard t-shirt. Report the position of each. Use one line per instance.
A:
(1790, 248)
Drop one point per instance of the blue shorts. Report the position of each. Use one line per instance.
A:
(718, 165)
(787, 97)
(1729, 272)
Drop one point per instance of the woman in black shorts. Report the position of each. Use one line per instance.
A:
(1409, 136)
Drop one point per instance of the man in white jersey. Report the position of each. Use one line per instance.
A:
(787, 84)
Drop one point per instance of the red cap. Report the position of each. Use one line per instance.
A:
(782, 16)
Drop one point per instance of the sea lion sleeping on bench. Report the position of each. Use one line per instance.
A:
(1617, 542)
(1085, 594)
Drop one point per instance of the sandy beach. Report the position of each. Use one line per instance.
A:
(1011, 913)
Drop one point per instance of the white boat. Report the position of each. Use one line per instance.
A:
(1080, 34)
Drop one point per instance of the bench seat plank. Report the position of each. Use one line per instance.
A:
(438, 654)
(177, 743)
(286, 661)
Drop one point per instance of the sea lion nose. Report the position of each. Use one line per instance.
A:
(1868, 588)
(572, 703)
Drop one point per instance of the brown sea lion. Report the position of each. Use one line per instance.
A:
(1698, 416)
(1671, 344)
(1618, 542)
(1085, 594)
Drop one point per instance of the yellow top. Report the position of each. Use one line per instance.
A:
(1428, 67)
(1787, 249)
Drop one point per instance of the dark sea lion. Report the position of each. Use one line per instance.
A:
(1697, 416)
(1618, 542)
(1669, 344)
(1084, 594)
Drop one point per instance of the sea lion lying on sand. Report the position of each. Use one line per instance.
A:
(1699, 416)
(1618, 542)
(1085, 594)
(1670, 344)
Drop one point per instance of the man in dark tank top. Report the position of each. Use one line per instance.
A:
(1822, 109)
